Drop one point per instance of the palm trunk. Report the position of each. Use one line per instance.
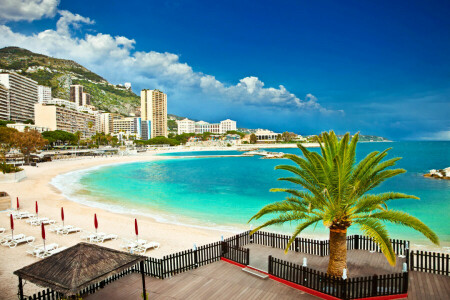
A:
(338, 252)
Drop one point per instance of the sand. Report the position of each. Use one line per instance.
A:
(37, 187)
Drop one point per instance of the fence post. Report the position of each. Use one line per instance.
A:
(411, 260)
(356, 242)
(297, 248)
(270, 264)
(248, 256)
(196, 258)
(344, 289)
(224, 249)
(374, 285)
(144, 294)
(405, 282)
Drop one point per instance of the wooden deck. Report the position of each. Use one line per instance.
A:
(222, 280)
(359, 262)
(219, 280)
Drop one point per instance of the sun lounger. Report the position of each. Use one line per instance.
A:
(38, 250)
(14, 242)
(51, 252)
(131, 245)
(70, 229)
(8, 238)
(39, 221)
(2, 230)
(143, 248)
(56, 228)
(89, 236)
(102, 237)
(21, 215)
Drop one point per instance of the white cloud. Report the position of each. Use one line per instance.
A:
(438, 136)
(114, 59)
(27, 10)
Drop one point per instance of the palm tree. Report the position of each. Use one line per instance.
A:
(337, 195)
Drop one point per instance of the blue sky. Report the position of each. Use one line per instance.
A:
(379, 67)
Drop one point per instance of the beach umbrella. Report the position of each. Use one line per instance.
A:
(95, 222)
(17, 203)
(37, 210)
(43, 233)
(136, 229)
(11, 220)
(62, 215)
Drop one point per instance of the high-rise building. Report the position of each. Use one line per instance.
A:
(58, 117)
(154, 109)
(85, 99)
(76, 94)
(4, 103)
(44, 94)
(186, 126)
(145, 129)
(23, 94)
(107, 122)
(129, 125)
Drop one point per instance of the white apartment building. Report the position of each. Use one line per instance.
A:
(57, 117)
(106, 122)
(61, 102)
(154, 109)
(4, 103)
(129, 125)
(22, 95)
(185, 126)
(44, 93)
(21, 127)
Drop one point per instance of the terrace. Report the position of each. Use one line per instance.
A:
(215, 271)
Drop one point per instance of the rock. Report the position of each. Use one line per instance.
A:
(439, 174)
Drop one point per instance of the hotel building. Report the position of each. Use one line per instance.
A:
(23, 94)
(57, 117)
(129, 125)
(189, 126)
(154, 109)
(44, 93)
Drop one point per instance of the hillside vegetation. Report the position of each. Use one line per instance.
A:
(59, 74)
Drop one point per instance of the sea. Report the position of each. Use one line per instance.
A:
(223, 193)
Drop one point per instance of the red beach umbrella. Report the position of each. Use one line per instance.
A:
(62, 215)
(136, 229)
(95, 222)
(43, 233)
(37, 210)
(11, 220)
(17, 203)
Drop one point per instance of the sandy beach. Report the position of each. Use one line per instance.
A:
(37, 187)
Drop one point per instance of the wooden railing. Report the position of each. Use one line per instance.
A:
(236, 254)
(431, 262)
(352, 288)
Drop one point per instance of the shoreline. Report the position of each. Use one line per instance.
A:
(38, 186)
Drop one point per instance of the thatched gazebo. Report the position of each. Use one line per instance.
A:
(70, 271)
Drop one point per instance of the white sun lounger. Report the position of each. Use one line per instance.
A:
(39, 221)
(21, 215)
(14, 242)
(8, 238)
(2, 230)
(143, 248)
(89, 236)
(51, 252)
(131, 245)
(70, 229)
(102, 237)
(38, 250)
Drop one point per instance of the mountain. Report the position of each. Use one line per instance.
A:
(59, 74)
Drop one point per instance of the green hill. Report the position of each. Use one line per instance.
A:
(59, 74)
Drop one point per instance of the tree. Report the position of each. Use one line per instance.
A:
(287, 136)
(241, 134)
(337, 195)
(253, 138)
(78, 136)
(6, 140)
(279, 137)
(28, 142)
(59, 136)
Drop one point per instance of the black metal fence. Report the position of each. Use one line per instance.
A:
(236, 254)
(431, 262)
(352, 288)
(361, 242)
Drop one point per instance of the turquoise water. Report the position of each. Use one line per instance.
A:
(225, 192)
